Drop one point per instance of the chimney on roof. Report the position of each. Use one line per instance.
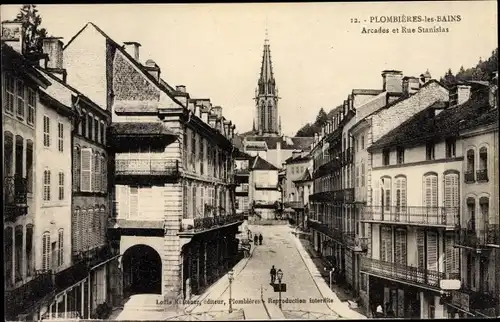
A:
(53, 48)
(217, 110)
(13, 35)
(459, 95)
(153, 69)
(392, 81)
(132, 48)
(180, 88)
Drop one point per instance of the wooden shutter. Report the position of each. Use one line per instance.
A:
(386, 244)
(134, 202)
(86, 172)
(432, 251)
(421, 249)
(387, 194)
(122, 199)
(61, 247)
(46, 251)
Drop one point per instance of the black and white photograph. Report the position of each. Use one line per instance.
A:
(250, 161)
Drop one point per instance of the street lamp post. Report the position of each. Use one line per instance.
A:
(230, 277)
(280, 277)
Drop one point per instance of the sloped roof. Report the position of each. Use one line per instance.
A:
(306, 176)
(162, 85)
(260, 164)
(294, 143)
(362, 91)
(299, 158)
(13, 60)
(424, 126)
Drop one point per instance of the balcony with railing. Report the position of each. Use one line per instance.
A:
(22, 298)
(418, 216)
(334, 164)
(482, 175)
(15, 197)
(405, 273)
(357, 244)
(328, 196)
(147, 167)
(334, 233)
(349, 195)
(266, 186)
(203, 224)
(274, 204)
(471, 237)
(480, 303)
(469, 176)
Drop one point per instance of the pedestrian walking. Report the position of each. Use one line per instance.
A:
(273, 274)
(260, 239)
(249, 233)
(255, 240)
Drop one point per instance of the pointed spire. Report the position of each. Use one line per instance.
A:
(266, 70)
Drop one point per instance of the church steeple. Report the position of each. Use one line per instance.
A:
(266, 95)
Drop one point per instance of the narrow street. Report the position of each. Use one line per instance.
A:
(278, 249)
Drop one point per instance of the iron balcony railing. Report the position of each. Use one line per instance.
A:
(22, 298)
(328, 196)
(206, 223)
(402, 272)
(478, 238)
(482, 303)
(265, 204)
(147, 167)
(358, 244)
(469, 176)
(482, 175)
(15, 197)
(334, 164)
(427, 216)
(334, 233)
(266, 186)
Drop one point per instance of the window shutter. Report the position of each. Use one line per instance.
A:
(449, 254)
(432, 247)
(434, 189)
(400, 250)
(98, 179)
(86, 164)
(421, 248)
(403, 192)
(61, 247)
(46, 251)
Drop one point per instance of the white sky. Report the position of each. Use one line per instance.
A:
(318, 55)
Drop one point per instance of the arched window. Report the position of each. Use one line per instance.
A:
(46, 185)
(470, 160)
(430, 191)
(46, 251)
(484, 207)
(262, 116)
(77, 162)
(401, 198)
(18, 252)
(482, 172)
(270, 116)
(386, 194)
(471, 214)
(61, 185)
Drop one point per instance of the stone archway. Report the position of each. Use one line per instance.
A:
(142, 270)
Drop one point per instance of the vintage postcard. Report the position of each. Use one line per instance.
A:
(250, 161)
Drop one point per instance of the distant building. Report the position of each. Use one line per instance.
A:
(266, 139)
(264, 193)
(242, 181)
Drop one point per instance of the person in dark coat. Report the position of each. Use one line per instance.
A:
(273, 274)
(255, 240)
(260, 239)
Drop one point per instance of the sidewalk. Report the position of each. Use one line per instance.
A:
(339, 307)
(220, 286)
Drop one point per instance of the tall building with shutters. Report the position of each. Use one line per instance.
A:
(172, 217)
(24, 280)
(477, 234)
(417, 174)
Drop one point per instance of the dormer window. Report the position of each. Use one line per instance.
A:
(430, 150)
(385, 157)
(451, 147)
(400, 155)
